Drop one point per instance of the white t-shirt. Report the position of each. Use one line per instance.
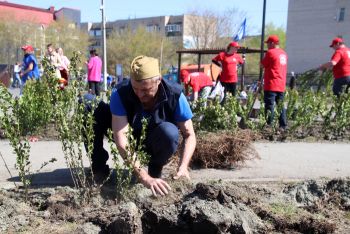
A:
(17, 68)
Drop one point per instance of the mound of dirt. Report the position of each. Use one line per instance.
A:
(220, 207)
(223, 150)
(316, 193)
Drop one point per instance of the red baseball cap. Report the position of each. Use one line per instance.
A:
(184, 75)
(273, 38)
(27, 48)
(336, 41)
(234, 44)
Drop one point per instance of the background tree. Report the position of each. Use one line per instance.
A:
(210, 29)
(14, 34)
(65, 34)
(253, 60)
(122, 47)
(276, 30)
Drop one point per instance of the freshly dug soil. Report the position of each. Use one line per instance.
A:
(208, 207)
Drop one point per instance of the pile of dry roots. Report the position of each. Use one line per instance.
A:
(223, 150)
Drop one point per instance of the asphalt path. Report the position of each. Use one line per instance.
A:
(278, 162)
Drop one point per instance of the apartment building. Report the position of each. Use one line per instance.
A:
(311, 26)
(177, 28)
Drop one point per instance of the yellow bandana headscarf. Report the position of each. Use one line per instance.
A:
(143, 68)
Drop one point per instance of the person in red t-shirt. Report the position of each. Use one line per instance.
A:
(275, 73)
(228, 61)
(201, 83)
(340, 62)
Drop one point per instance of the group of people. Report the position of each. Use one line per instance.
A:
(202, 84)
(60, 62)
(28, 69)
(274, 64)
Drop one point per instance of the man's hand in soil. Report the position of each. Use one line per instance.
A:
(157, 186)
(182, 172)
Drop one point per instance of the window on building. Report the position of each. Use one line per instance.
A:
(149, 28)
(98, 32)
(341, 14)
(173, 28)
(152, 28)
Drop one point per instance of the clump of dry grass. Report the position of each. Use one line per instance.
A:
(223, 150)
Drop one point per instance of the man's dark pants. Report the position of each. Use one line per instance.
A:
(270, 98)
(341, 83)
(229, 88)
(94, 86)
(161, 142)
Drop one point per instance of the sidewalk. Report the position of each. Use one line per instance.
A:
(279, 162)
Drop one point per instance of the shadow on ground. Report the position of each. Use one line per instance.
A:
(61, 177)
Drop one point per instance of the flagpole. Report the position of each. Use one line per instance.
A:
(262, 40)
(104, 46)
(261, 57)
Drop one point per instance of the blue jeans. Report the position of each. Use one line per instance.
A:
(270, 98)
(339, 84)
(16, 81)
(161, 141)
(23, 82)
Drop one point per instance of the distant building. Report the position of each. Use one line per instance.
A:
(69, 14)
(95, 32)
(311, 27)
(177, 28)
(40, 16)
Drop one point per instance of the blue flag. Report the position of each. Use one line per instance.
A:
(241, 32)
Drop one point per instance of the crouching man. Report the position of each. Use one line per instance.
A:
(147, 95)
(201, 84)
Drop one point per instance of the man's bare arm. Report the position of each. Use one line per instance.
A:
(195, 96)
(327, 65)
(30, 67)
(189, 137)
